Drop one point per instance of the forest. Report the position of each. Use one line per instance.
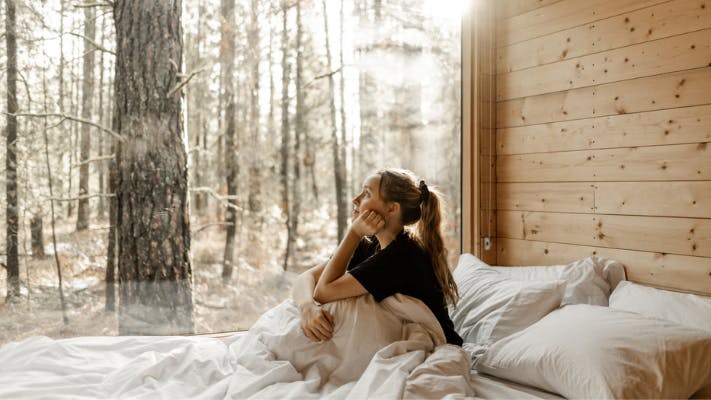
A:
(169, 167)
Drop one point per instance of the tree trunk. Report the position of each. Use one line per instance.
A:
(101, 210)
(110, 279)
(227, 56)
(52, 218)
(342, 98)
(152, 225)
(254, 124)
(285, 131)
(87, 94)
(37, 236)
(13, 265)
(300, 128)
(338, 167)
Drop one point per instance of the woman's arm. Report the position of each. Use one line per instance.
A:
(316, 323)
(334, 284)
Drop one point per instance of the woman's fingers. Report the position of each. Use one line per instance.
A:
(328, 316)
(325, 326)
(320, 333)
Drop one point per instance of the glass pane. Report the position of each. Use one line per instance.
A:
(287, 107)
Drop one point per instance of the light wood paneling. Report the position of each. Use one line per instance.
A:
(556, 197)
(660, 21)
(603, 131)
(669, 271)
(510, 8)
(672, 126)
(681, 89)
(685, 236)
(563, 15)
(674, 199)
(682, 162)
(478, 126)
(676, 53)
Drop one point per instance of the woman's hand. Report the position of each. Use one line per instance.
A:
(368, 223)
(316, 322)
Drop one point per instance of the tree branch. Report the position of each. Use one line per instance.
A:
(82, 197)
(95, 159)
(185, 82)
(205, 226)
(72, 118)
(220, 198)
(327, 74)
(93, 43)
(100, 4)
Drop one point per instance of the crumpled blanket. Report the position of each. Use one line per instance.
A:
(393, 349)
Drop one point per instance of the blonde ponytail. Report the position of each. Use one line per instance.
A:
(429, 230)
(421, 204)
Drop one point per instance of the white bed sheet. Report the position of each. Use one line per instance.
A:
(401, 354)
(491, 387)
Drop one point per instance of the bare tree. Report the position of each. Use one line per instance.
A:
(255, 184)
(13, 267)
(285, 134)
(338, 167)
(227, 56)
(152, 225)
(87, 95)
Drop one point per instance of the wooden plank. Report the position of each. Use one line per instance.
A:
(684, 236)
(682, 162)
(563, 15)
(556, 197)
(671, 199)
(676, 53)
(552, 227)
(669, 271)
(660, 21)
(681, 89)
(510, 8)
(677, 199)
(672, 126)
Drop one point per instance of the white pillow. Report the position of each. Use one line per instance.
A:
(686, 309)
(585, 351)
(492, 306)
(588, 281)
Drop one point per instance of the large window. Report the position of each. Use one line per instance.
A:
(286, 107)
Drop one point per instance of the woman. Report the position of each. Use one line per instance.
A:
(378, 256)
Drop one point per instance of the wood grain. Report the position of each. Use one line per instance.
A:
(672, 126)
(667, 271)
(676, 53)
(656, 22)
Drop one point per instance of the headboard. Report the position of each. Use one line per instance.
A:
(603, 126)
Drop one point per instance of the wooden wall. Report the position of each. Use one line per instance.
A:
(603, 136)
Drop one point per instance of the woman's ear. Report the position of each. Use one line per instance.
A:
(393, 208)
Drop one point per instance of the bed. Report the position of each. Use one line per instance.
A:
(576, 330)
(580, 330)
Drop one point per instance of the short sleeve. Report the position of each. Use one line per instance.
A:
(379, 275)
(362, 252)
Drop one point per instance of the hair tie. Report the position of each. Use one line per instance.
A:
(424, 192)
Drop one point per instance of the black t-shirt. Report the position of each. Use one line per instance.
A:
(402, 267)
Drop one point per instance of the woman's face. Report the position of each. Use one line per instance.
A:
(369, 198)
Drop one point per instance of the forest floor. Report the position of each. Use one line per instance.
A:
(258, 281)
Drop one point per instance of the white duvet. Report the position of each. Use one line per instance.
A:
(392, 349)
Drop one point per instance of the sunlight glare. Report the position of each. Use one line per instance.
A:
(448, 9)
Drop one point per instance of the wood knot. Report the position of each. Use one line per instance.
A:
(545, 251)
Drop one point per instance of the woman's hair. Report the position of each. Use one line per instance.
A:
(420, 203)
